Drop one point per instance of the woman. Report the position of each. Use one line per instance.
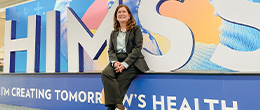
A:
(126, 59)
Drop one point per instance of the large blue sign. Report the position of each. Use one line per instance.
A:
(195, 35)
(147, 92)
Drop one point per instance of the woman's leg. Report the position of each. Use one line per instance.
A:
(124, 80)
(111, 87)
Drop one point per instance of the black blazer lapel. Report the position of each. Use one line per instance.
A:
(114, 40)
(126, 37)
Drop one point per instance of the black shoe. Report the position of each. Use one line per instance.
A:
(111, 108)
(120, 106)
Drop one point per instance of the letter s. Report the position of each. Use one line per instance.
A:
(180, 36)
(241, 12)
(142, 101)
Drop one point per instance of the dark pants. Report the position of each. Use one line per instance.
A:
(116, 84)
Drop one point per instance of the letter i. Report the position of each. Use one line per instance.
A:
(36, 93)
(196, 103)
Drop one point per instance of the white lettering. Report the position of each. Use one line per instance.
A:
(196, 103)
(170, 103)
(98, 97)
(73, 97)
(1, 90)
(142, 101)
(36, 93)
(185, 105)
(48, 94)
(62, 95)
(6, 91)
(18, 92)
(224, 107)
(211, 103)
(41, 93)
(57, 92)
(90, 97)
(129, 100)
(182, 37)
(27, 93)
(22, 44)
(13, 89)
(158, 102)
(84, 96)
(78, 34)
(32, 89)
(241, 14)
(52, 41)
(22, 92)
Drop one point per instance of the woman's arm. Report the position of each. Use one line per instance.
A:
(111, 50)
(136, 50)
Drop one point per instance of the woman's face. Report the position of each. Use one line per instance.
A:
(122, 15)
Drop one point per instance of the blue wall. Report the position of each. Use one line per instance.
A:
(145, 90)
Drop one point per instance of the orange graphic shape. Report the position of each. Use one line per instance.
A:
(198, 15)
(102, 96)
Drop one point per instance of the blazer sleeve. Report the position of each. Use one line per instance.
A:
(111, 50)
(136, 50)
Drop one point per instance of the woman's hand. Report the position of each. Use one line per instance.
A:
(116, 64)
(118, 67)
(121, 68)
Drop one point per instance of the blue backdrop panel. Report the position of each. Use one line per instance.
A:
(143, 92)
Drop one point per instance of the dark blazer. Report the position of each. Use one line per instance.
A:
(134, 42)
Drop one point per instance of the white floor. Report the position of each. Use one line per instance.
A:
(13, 107)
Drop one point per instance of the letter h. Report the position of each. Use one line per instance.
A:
(31, 44)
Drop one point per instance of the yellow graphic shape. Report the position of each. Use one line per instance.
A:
(198, 15)
(163, 42)
(93, 31)
(101, 62)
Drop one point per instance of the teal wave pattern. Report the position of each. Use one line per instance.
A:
(239, 37)
(201, 58)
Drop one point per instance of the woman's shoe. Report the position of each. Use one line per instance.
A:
(119, 109)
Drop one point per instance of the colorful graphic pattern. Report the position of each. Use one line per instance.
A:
(207, 27)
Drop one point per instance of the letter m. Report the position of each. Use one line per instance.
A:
(80, 37)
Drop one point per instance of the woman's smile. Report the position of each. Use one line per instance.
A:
(122, 15)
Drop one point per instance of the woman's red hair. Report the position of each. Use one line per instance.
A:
(130, 23)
